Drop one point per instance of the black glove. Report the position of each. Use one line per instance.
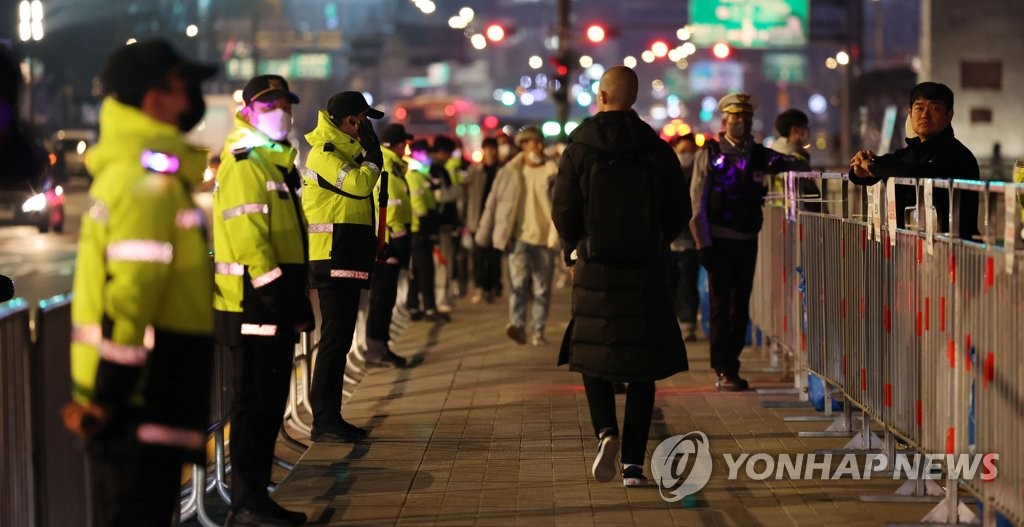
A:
(706, 257)
(271, 296)
(305, 321)
(368, 140)
(384, 253)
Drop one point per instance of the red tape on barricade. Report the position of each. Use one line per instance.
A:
(942, 314)
(951, 354)
(950, 440)
(967, 353)
(952, 268)
(887, 315)
(888, 395)
(864, 379)
(919, 411)
(803, 342)
(927, 313)
(920, 250)
(990, 273)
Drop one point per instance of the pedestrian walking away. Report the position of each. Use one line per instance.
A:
(617, 208)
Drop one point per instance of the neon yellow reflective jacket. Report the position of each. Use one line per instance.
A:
(424, 204)
(259, 232)
(337, 198)
(399, 204)
(142, 258)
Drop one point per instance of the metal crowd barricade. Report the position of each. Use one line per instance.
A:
(919, 329)
(18, 502)
(61, 476)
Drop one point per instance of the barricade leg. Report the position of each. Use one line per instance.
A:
(220, 466)
(199, 491)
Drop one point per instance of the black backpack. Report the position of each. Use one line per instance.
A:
(624, 196)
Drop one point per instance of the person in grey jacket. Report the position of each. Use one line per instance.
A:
(517, 219)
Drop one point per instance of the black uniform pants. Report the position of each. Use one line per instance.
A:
(262, 373)
(487, 269)
(730, 282)
(422, 281)
(637, 422)
(132, 483)
(338, 309)
(683, 276)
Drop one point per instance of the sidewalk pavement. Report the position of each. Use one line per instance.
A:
(481, 431)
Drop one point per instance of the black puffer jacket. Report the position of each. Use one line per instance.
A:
(943, 157)
(624, 326)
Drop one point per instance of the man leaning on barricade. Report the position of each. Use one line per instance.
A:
(142, 346)
(934, 154)
(261, 298)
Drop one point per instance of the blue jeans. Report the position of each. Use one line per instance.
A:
(530, 264)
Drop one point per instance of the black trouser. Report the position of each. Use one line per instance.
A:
(487, 269)
(383, 295)
(422, 281)
(138, 483)
(339, 306)
(262, 368)
(636, 423)
(131, 483)
(730, 281)
(683, 276)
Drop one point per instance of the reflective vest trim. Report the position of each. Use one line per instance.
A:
(154, 251)
(248, 208)
(267, 277)
(399, 234)
(348, 273)
(229, 268)
(98, 211)
(274, 186)
(259, 330)
(157, 434)
(342, 173)
(371, 166)
(394, 202)
(89, 334)
(123, 354)
(309, 174)
(189, 219)
(321, 227)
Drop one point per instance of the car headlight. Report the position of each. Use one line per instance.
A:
(34, 204)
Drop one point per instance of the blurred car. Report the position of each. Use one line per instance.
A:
(68, 147)
(39, 203)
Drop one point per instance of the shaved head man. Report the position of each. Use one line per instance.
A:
(619, 198)
(618, 88)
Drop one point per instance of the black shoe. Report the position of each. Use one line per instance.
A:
(437, 316)
(731, 383)
(269, 515)
(516, 333)
(416, 316)
(389, 360)
(603, 468)
(619, 387)
(346, 433)
(633, 476)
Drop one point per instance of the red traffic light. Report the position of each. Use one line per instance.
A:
(561, 68)
(491, 122)
(495, 32)
(721, 50)
(596, 33)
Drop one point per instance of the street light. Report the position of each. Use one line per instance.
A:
(843, 58)
(30, 27)
(192, 30)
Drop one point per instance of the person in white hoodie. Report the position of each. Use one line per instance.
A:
(517, 220)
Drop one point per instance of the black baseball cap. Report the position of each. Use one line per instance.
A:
(349, 103)
(393, 134)
(132, 69)
(267, 88)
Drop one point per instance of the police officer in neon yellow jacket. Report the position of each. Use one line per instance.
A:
(261, 297)
(384, 282)
(425, 225)
(342, 168)
(142, 347)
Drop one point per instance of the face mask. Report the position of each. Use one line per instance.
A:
(685, 158)
(275, 124)
(504, 150)
(736, 130)
(196, 109)
(534, 158)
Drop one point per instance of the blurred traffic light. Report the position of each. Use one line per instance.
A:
(596, 33)
(721, 50)
(495, 32)
(560, 86)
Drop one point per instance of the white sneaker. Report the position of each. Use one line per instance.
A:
(605, 465)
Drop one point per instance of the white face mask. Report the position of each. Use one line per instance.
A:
(275, 124)
(504, 150)
(534, 158)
